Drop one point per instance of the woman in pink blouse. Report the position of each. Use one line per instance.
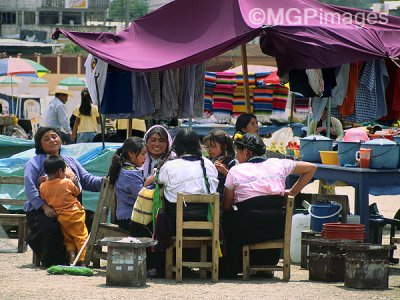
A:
(253, 208)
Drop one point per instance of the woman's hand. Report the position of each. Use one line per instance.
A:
(49, 211)
(221, 168)
(42, 179)
(289, 193)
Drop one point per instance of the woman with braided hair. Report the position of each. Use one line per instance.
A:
(252, 203)
(189, 173)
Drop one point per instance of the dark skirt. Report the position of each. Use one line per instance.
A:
(45, 238)
(256, 220)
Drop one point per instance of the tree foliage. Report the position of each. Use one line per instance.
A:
(137, 9)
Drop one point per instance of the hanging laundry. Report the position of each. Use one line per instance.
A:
(348, 106)
(95, 68)
(126, 95)
(153, 80)
(210, 79)
(298, 80)
(342, 81)
(316, 81)
(393, 91)
(329, 77)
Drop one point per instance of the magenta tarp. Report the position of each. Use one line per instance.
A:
(301, 34)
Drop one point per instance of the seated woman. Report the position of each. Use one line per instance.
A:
(246, 123)
(253, 209)
(45, 237)
(158, 143)
(190, 173)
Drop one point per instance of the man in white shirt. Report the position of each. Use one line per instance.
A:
(56, 114)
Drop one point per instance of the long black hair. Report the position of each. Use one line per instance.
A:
(188, 142)
(38, 138)
(221, 137)
(242, 122)
(132, 144)
(86, 103)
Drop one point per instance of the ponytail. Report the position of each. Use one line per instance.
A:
(115, 168)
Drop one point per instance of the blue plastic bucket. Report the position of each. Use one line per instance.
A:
(323, 213)
(384, 156)
(347, 152)
(397, 139)
(309, 149)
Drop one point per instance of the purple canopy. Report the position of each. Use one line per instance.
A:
(300, 34)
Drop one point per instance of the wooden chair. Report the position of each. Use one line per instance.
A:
(273, 244)
(14, 220)
(195, 242)
(100, 227)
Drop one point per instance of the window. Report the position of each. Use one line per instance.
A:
(29, 17)
(8, 18)
(48, 17)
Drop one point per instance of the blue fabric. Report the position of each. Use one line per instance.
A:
(126, 95)
(34, 170)
(85, 137)
(127, 187)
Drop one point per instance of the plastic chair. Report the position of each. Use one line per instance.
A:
(36, 121)
(284, 244)
(195, 242)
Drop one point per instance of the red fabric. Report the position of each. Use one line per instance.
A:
(393, 91)
(347, 107)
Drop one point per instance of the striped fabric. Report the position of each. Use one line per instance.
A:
(210, 79)
(263, 100)
(301, 104)
(222, 101)
(280, 96)
(226, 79)
(208, 99)
(239, 100)
(251, 77)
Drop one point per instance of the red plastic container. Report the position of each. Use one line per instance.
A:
(338, 231)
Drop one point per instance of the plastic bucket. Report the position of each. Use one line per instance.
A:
(323, 213)
(396, 138)
(384, 156)
(309, 149)
(347, 152)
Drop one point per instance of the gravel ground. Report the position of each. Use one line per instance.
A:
(19, 279)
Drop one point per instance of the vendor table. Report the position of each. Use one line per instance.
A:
(264, 130)
(361, 180)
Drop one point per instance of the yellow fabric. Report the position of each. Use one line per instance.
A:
(88, 123)
(142, 211)
(61, 195)
(137, 124)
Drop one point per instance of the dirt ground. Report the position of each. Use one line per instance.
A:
(19, 279)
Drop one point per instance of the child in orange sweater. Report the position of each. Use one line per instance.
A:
(60, 193)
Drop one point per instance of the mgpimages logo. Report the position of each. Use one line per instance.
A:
(308, 16)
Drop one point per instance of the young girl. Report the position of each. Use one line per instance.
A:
(220, 150)
(124, 173)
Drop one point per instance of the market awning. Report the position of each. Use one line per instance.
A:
(300, 34)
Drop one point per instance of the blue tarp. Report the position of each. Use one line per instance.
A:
(11, 145)
(95, 160)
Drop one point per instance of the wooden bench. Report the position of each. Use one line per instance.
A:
(14, 220)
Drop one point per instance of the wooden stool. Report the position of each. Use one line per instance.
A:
(306, 236)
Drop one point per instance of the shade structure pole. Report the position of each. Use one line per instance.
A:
(328, 118)
(103, 119)
(129, 128)
(245, 78)
(12, 96)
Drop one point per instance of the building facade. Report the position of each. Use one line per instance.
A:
(35, 20)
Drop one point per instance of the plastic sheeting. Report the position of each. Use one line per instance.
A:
(11, 145)
(91, 156)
